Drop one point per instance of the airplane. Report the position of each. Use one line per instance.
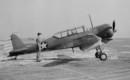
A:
(71, 38)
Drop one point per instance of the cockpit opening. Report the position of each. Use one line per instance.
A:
(69, 32)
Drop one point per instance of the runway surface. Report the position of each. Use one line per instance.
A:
(65, 65)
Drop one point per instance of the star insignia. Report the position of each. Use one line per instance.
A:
(44, 45)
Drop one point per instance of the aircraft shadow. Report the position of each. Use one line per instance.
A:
(59, 61)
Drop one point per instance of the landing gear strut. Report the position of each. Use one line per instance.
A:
(99, 54)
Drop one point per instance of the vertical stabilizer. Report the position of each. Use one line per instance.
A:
(16, 42)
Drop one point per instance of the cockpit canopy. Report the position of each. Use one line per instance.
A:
(69, 32)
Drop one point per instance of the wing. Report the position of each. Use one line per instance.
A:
(88, 42)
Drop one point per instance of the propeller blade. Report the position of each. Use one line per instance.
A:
(113, 25)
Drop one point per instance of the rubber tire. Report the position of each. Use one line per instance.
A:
(103, 54)
(97, 54)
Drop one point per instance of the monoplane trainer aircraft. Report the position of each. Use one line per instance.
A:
(71, 38)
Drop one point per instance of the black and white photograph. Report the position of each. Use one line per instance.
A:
(64, 39)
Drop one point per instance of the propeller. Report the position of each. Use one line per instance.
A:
(113, 25)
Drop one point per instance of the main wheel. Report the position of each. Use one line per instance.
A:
(103, 56)
(97, 54)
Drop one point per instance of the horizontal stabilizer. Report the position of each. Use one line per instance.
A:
(17, 52)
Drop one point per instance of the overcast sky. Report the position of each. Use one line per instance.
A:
(27, 17)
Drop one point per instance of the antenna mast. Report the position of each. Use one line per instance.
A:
(91, 20)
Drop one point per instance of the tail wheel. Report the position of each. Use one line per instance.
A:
(97, 54)
(103, 56)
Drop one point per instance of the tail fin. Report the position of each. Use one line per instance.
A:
(16, 42)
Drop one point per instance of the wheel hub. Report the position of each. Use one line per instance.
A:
(103, 56)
